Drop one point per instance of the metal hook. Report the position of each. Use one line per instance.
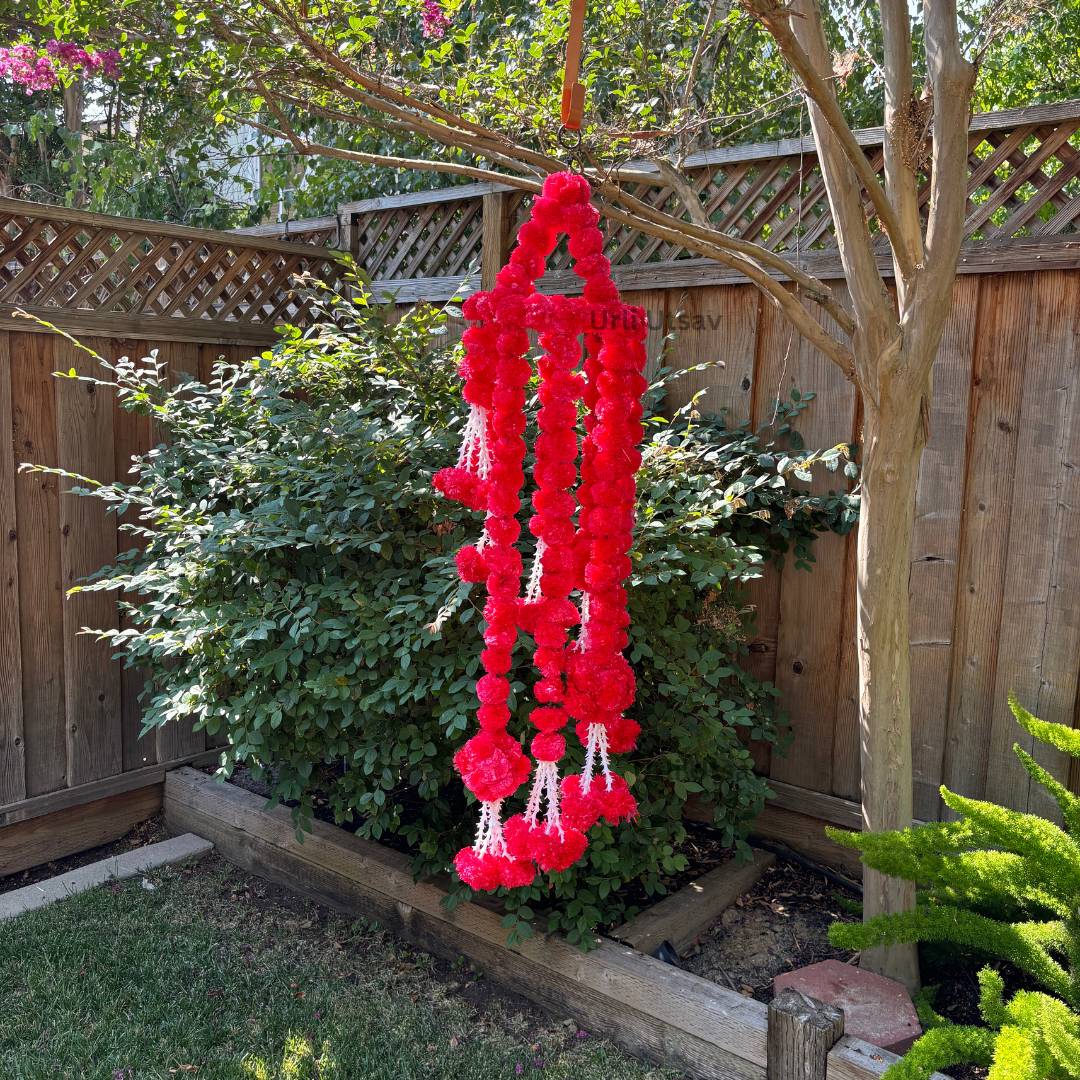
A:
(572, 141)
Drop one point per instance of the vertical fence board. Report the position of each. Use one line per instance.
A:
(12, 744)
(715, 323)
(935, 547)
(209, 355)
(655, 302)
(177, 740)
(131, 436)
(811, 627)
(846, 759)
(1000, 356)
(87, 543)
(846, 739)
(41, 613)
(775, 349)
(1039, 640)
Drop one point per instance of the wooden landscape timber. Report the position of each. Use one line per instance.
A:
(680, 919)
(654, 1010)
(38, 840)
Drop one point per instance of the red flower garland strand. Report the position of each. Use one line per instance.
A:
(586, 679)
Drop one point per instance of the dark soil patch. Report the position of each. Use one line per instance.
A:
(149, 832)
(782, 923)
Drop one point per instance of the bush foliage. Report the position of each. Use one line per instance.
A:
(1002, 884)
(296, 590)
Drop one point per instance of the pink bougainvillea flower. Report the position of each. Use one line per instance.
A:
(35, 69)
(435, 20)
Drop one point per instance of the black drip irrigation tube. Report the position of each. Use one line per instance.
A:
(782, 851)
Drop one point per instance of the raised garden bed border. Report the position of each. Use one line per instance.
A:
(659, 1012)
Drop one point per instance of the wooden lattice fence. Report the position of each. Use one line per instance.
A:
(119, 277)
(70, 725)
(1023, 199)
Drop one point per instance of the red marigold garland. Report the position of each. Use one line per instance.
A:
(585, 679)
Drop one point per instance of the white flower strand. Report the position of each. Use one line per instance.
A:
(582, 642)
(475, 453)
(489, 834)
(484, 538)
(545, 786)
(596, 746)
(532, 589)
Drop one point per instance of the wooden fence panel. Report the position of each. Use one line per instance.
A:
(1038, 642)
(70, 718)
(12, 745)
(812, 605)
(995, 585)
(84, 418)
(41, 601)
(131, 436)
(1001, 351)
(936, 542)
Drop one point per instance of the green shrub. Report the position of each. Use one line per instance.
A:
(297, 592)
(1003, 884)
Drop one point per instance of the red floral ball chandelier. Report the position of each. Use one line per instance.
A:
(574, 602)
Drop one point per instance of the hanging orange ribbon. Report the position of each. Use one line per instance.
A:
(573, 90)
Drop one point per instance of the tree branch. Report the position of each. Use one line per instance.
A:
(315, 149)
(404, 112)
(873, 308)
(684, 190)
(815, 73)
(951, 79)
(902, 143)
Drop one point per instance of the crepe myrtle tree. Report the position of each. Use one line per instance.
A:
(477, 98)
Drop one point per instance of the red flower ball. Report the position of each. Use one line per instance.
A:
(548, 746)
(552, 849)
(492, 765)
(548, 718)
(461, 486)
(479, 872)
(471, 564)
(617, 803)
(581, 809)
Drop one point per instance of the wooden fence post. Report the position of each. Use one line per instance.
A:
(802, 1031)
(494, 248)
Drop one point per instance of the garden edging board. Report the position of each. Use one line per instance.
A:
(654, 1010)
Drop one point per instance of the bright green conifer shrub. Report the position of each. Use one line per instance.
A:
(1006, 885)
(296, 592)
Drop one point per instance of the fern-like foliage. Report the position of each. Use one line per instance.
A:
(1007, 885)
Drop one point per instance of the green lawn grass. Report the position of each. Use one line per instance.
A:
(213, 975)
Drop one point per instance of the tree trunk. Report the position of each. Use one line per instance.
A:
(73, 121)
(893, 438)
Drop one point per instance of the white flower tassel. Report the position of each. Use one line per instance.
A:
(489, 833)
(583, 635)
(532, 589)
(596, 747)
(475, 454)
(545, 788)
